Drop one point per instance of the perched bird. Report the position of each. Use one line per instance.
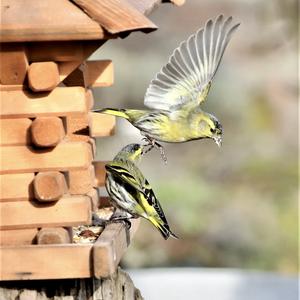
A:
(174, 96)
(131, 193)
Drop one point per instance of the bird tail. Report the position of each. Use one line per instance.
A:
(163, 228)
(115, 112)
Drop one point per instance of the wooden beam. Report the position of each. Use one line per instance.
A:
(68, 211)
(64, 157)
(14, 63)
(49, 186)
(92, 74)
(60, 102)
(100, 172)
(47, 131)
(45, 262)
(116, 16)
(95, 199)
(15, 132)
(81, 181)
(101, 125)
(18, 237)
(62, 51)
(67, 260)
(110, 247)
(43, 76)
(16, 187)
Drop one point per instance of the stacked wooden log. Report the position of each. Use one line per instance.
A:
(47, 178)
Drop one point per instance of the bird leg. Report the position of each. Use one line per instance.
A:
(152, 143)
(120, 216)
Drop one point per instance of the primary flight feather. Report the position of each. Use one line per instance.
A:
(175, 94)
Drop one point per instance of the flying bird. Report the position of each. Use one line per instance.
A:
(131, 193)
(175, 95)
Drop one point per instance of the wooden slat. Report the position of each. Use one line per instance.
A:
(81, 181)
(116, 16)
(46, 21)
(14, 63)
(92, 74)
(18, 237)
(45, 262)
(16, 187)
(60, 102)
(101, 125)
(62, 51)
(110, 247)
(100, 172)
(100, 73)
(15, 132)
(68, 260)
(68, 211)
(64, 157)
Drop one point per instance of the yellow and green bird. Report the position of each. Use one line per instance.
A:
(131, 193)
(176, 93)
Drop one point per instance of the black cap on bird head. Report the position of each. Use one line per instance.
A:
(131, 152)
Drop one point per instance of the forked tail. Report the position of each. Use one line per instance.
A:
(163, 228)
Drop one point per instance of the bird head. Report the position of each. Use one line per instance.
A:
(131, 152)
(210, 127)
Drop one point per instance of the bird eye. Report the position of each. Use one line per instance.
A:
(136, 147)
(213, 130)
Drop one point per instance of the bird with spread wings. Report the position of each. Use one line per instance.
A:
(175, 95)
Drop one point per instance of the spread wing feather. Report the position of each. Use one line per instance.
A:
(187, 77)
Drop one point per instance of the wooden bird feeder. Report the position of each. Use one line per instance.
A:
(48, 176)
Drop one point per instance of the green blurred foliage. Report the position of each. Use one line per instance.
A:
(235, 206)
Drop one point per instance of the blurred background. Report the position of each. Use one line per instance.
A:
(233, 207)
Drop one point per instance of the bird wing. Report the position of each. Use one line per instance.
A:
(143, 186)
(124, 175)
(187, 77)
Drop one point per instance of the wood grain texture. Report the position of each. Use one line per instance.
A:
(68, 211)
(64, 157)
(49, 186)
(47, 131)
(110, 247)
(15, 132)
(45, 262)
(62, 51)
(101, 125)
(81, 181)
(16, 187)
(38, 23)
(116, 16)
(43, 76)
(92, 74)
(18, 237)
(100, 172)
(60, 102)
(14, 63)
(116, 287)
(55, 235)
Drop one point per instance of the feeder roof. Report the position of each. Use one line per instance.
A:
(58, 20)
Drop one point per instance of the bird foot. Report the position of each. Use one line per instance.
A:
(152, 143)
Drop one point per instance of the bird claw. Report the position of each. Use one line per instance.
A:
(152, 143)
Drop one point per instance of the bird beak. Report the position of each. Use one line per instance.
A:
(218, 140)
